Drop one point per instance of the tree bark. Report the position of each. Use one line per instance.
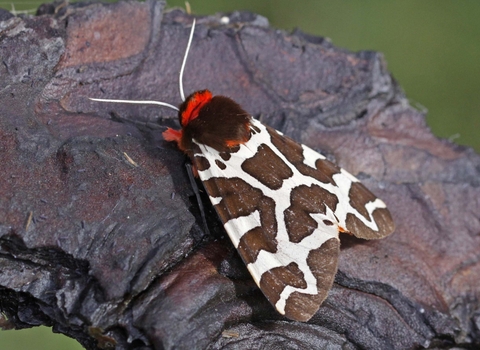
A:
(101, 235)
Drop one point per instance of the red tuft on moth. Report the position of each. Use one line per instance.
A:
(172, 135)
(190, 109)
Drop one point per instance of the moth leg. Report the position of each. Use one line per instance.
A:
(192, 175)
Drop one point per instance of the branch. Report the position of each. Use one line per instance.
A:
(100, 234)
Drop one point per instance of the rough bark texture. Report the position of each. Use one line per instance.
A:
(100, 234)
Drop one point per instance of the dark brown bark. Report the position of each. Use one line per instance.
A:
(112, 251)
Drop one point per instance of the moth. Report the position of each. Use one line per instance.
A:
(282, 204)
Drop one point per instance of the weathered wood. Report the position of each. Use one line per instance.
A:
(112, 250)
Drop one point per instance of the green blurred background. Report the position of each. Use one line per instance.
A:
(432, 48)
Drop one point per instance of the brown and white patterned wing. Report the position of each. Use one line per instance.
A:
(283, 205)
(358, 211)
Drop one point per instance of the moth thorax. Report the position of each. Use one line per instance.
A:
(218, 121)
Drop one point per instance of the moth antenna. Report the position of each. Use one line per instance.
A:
(180, 78)
(158, 103)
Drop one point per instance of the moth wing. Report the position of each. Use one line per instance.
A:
(358, 211)
(283, 213)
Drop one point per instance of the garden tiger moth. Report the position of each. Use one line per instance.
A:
(282, 204)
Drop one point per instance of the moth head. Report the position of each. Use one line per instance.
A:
(188, 111)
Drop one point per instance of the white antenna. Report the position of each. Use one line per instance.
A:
(158, 103)
(180, 78)
(136, 102)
